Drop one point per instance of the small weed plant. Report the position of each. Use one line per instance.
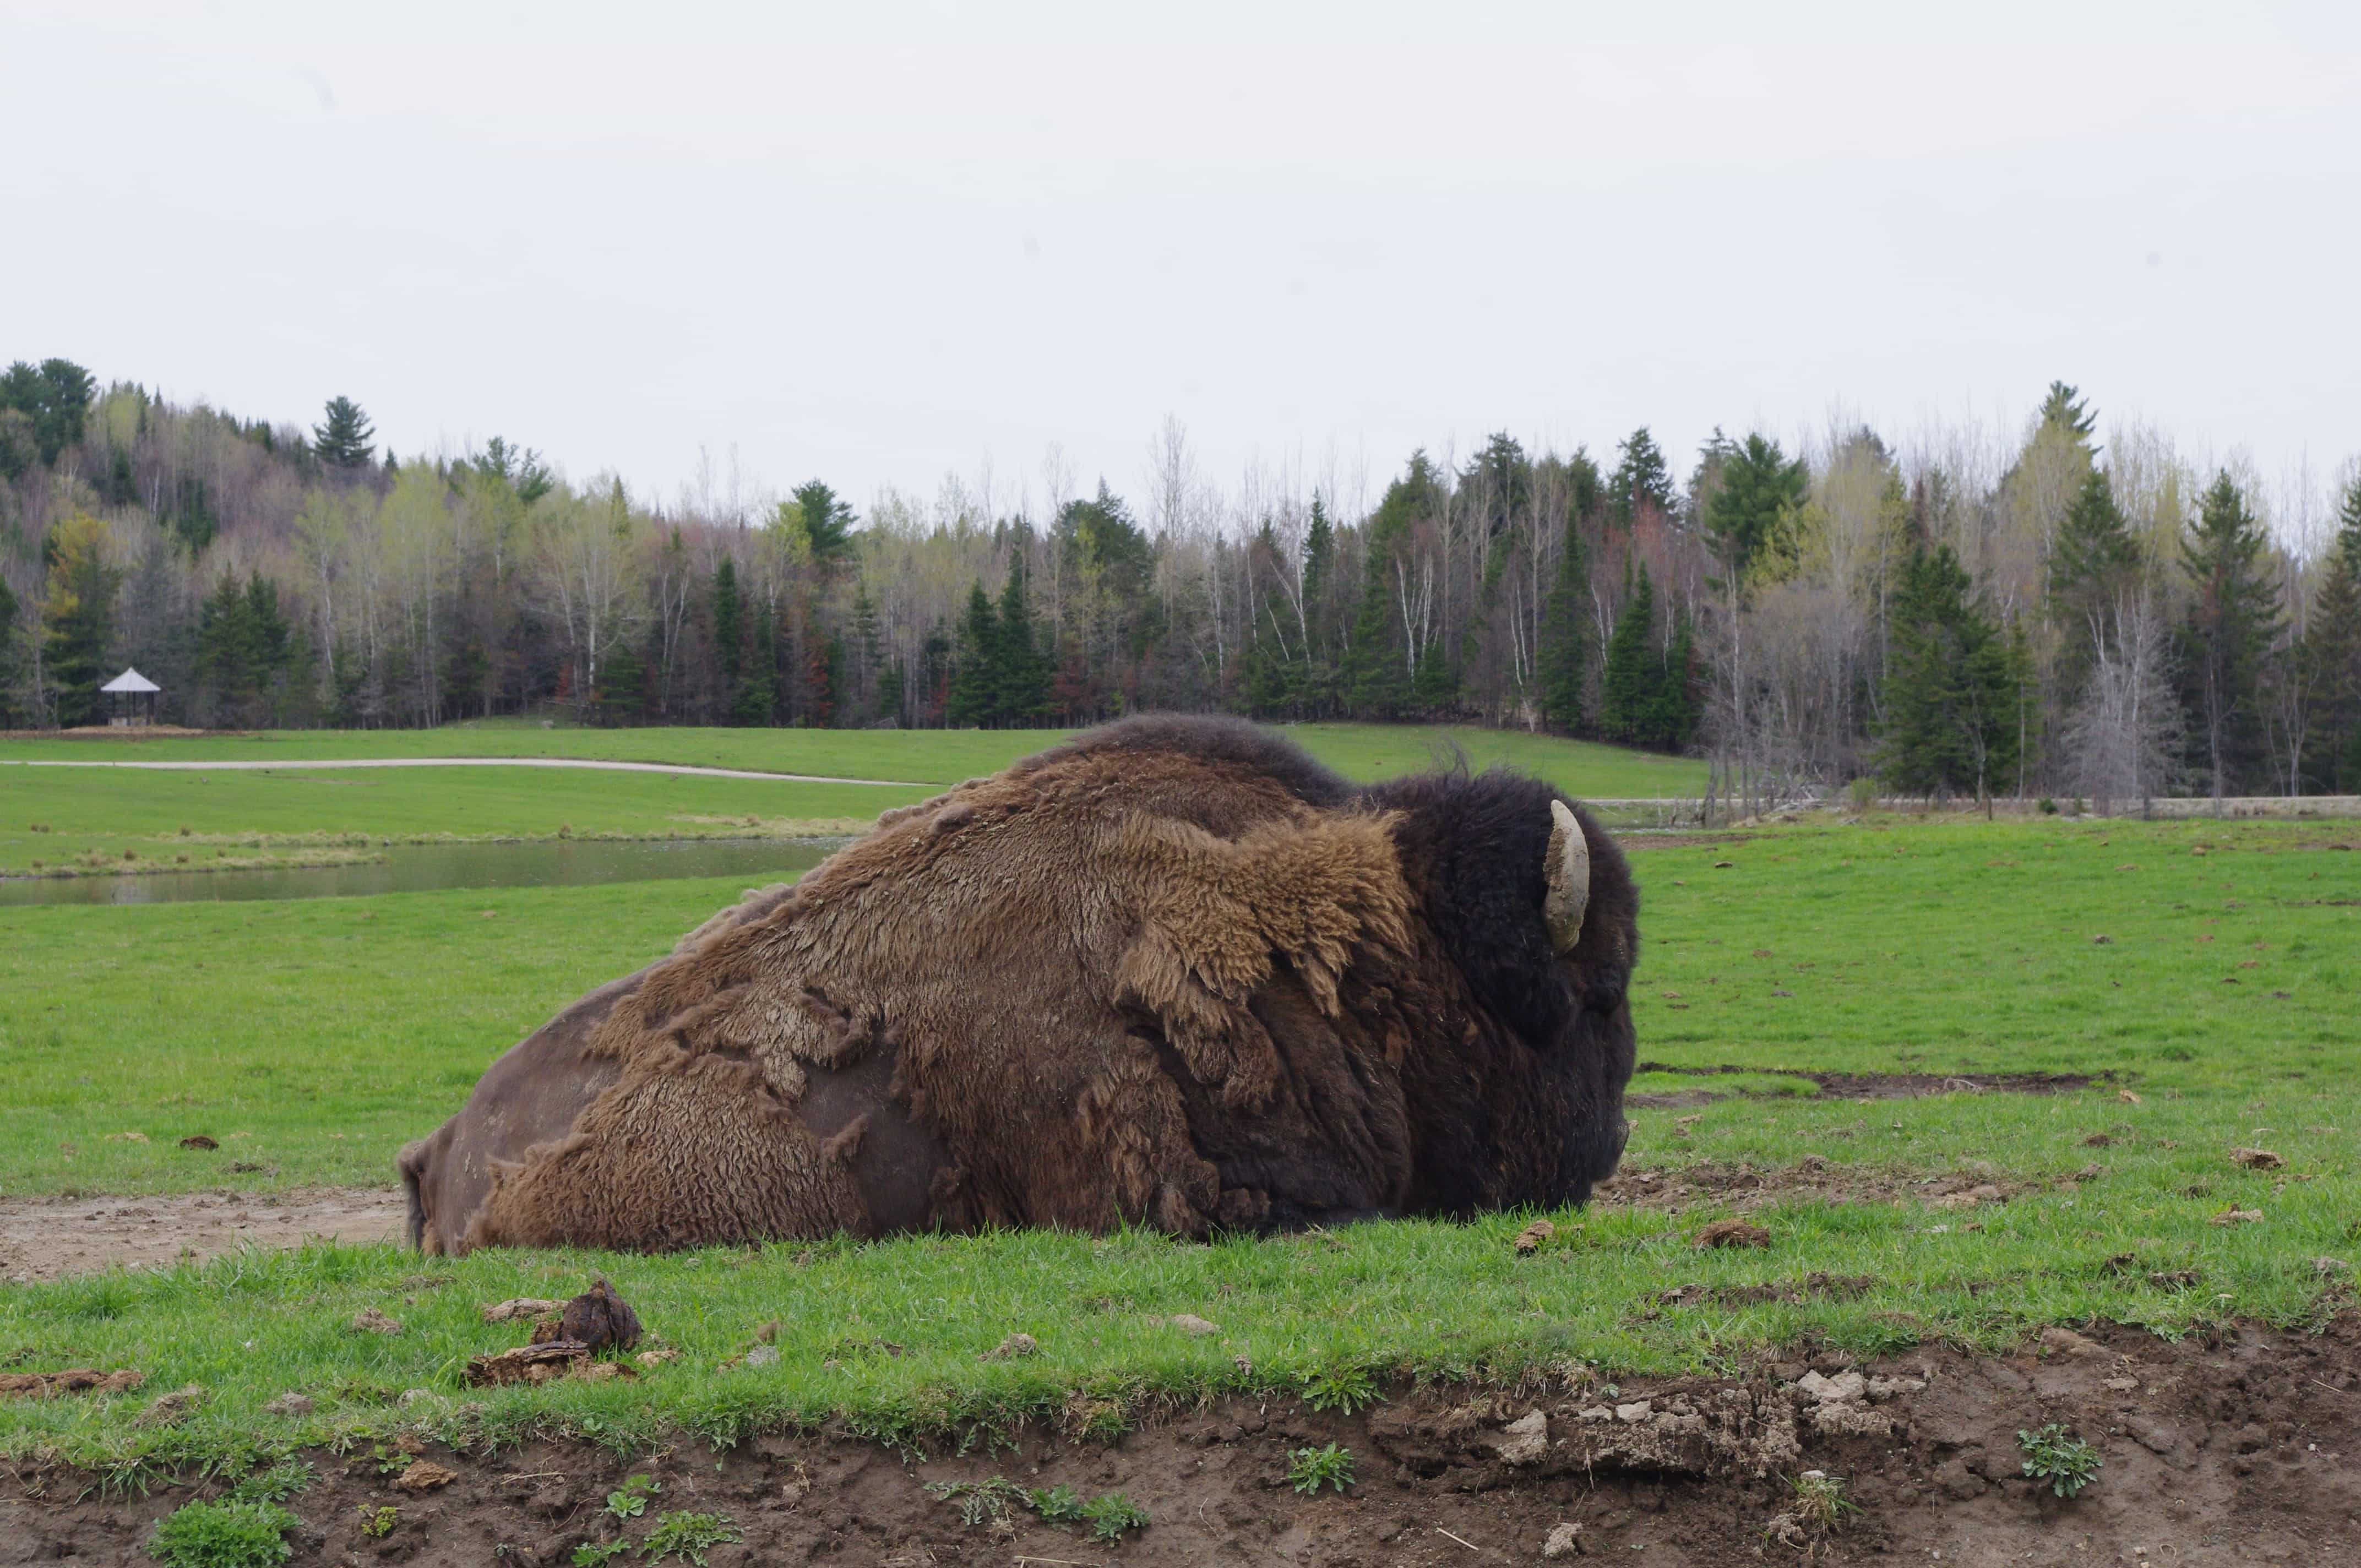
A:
(377, 1523)
(1111, 1516)
(1057, 1504)
(687, 1537)
(227, 1534)
(2067, 1462)
(981, 1502)
(629, 1500)
(592, 1554)
(1341, 1389)
(276, 1485)
(1309, 1469)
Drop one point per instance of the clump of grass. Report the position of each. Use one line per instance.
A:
(979, 1501)
(2067, 1462)
(1341, 1389)
(1309, 1469)
(227, 1534)
(1821, 1501)
(276, 1485)
(688, 1536)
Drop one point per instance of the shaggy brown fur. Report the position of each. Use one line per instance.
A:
(1170, 973)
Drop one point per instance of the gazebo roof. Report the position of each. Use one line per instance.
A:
(131, 681)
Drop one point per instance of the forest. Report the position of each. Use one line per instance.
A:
(1968, 613)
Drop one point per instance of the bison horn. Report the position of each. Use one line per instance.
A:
(1568, 875)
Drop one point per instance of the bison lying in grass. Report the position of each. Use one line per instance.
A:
(1171, 974)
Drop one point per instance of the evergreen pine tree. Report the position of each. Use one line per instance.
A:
(1628, 687)
(728, 639)
(1952, 689)
(2065, 407)
(973, 700)
(1564, 650)
(2232, 616)
(50, 402)
(621, 697)
(1021, 684)
(2332, 654)
(1640, 478)
(2092, 563)
(755, 704)
(1673, 719)
(1378, 680)
(828, 522)
(1756, 489)
(890, 685)
(868, 646)
(1435, 688)
(343, 439)
(78, 616)
(1316, 691)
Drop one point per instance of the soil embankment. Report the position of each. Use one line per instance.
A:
(2242, 1448)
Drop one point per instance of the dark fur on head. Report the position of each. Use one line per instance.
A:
(1555, 1034)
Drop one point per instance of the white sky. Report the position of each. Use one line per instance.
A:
(874, 242)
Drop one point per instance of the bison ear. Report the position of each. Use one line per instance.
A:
(1568, 877)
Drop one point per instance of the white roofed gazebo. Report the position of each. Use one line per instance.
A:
(131, 698)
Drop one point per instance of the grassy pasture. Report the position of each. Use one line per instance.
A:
(90, 816)
(921, 756)
(328, 1031)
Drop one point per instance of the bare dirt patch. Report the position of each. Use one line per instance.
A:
(1742, 1186)
(2238, 1448)
(43, 1238)
(1863, 1086)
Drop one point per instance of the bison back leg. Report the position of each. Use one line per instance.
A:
(686, 1149)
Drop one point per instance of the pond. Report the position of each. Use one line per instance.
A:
(423, 867)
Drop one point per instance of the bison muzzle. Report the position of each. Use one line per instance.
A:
(1171, 974)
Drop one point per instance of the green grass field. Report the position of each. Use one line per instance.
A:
(313, 1037)
(921, 756)
(82, 820)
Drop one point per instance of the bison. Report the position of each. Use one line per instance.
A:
(1170, 973)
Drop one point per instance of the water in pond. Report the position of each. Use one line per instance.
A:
(421, 868)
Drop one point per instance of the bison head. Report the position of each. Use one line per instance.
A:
(1172, 972)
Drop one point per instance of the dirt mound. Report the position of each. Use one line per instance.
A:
(2236, 1449)
(42, 1238)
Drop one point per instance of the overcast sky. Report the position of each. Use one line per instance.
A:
(874, 242)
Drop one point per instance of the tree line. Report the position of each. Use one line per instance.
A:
(1974, 614)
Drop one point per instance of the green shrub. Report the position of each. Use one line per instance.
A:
(227, 1534)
